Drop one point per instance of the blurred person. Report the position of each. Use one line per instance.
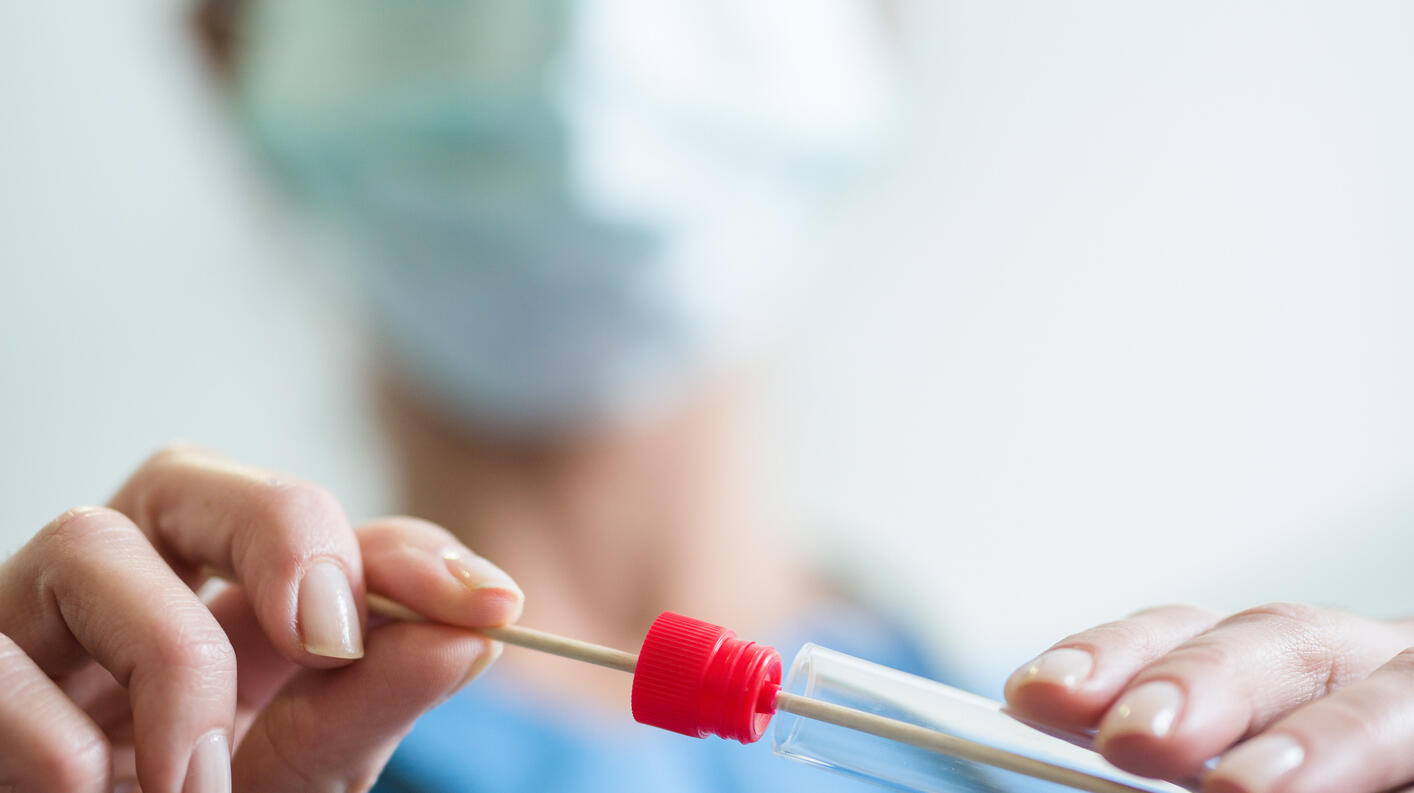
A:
(576, 226)
(574, 242)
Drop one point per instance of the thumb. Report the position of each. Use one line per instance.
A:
(335, 729)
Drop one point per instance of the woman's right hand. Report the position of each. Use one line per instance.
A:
(114, 672)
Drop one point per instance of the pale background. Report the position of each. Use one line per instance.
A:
(1126, 322)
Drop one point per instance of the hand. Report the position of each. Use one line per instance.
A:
(1295, 699)
(113, 670)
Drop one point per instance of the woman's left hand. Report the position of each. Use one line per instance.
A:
(1293, 698)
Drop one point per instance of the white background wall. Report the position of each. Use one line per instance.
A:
(1127, 322)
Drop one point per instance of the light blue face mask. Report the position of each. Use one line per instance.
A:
(571, 212)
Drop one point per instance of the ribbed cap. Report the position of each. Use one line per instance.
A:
(699, 679)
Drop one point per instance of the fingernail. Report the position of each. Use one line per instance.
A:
(328, 618)
(478, 574)
(493, 651)
(1257, 765)
(1067, 667)
(1149, 709)
(209, 770)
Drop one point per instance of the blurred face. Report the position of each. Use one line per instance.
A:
(559, 223)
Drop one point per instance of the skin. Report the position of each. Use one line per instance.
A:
(115, 671)
(1292, 698)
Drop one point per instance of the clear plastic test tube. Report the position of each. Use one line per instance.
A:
(832, 710)
(819, 674)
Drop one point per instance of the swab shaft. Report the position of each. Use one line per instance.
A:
(932, 740)
(563, 647)
(902, 731)
(530, 638)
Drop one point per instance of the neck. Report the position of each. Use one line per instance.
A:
(604, 531)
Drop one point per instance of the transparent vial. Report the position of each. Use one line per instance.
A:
(836, 678)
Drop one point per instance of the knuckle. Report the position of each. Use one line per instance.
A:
(1138, 634)
(169, 453)
(1311, 649)
(1172, 610)
(291, 520)
(1293, 642)
(81, 529)
(200, 649)
(75, 760)
(185, 641)
(136, 496)
(1207, 651)
(288, 504)
(1119, 632)
(1147, 632)
(1300, 614)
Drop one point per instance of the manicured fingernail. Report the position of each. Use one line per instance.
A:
(328, 617)
(1067, 667)
(1149, 709)
(209, 770)
(477, 573)
(1256, 766)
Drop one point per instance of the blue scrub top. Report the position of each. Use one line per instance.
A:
(486, 738)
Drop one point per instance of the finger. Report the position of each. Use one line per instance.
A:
(90, 585)
(422, 566)
(261, 670)
(1356, 741)
(335, 730)
(93, 689)
(49, 744)
(1072, 684)
(260, 673)
(1237, 678)
(287, 541)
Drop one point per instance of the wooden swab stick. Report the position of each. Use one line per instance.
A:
(805, 707)
(932, 740)
(530, 638)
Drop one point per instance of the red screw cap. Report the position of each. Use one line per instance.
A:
(699, 679)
